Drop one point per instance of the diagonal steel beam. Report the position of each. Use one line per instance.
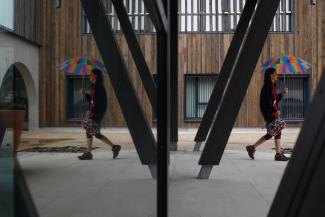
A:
(237, 86)
(157, 12)
(224, 74)
(135, 49)
(134, 115)
(302, 186)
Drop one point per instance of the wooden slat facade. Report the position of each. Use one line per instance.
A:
(27, 19)
(198, 54)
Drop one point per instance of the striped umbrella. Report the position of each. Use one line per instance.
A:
(286, 65)
(81, 65)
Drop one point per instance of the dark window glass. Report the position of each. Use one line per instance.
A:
(198, 90)
(77, 105)
(294, 105)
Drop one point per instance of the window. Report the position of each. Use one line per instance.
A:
(294, 105)
(189, 15)
(224, 15)
(77, 105)
(7, 14)
(283, 19)
(198, 90)
(138, 16)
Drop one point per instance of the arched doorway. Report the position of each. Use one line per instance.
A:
(18, 88)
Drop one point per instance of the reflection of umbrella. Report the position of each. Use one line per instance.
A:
(285, 65)
(81, 65)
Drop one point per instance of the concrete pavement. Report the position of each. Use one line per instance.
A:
(63, 186)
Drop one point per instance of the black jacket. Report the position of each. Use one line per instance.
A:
(100, 103)
(266, 102)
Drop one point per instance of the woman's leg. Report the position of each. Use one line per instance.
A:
(89, 144)
(251, 148)
(261, 140)
(104, 139)
(279, 156)
(115, 148)
(277, 143)
(88, 155)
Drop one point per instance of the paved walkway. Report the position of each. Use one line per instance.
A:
(66, 187)
(63, 186)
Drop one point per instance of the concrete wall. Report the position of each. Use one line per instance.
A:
(25, 56)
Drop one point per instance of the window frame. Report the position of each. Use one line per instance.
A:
(149, 28)
(306, 94)
(195, 120)
(69, 97)
(228, 30)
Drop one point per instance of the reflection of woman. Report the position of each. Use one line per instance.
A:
(269, 107)
(97, 108)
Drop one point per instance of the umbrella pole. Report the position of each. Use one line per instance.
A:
(284, 78)
(83, 78)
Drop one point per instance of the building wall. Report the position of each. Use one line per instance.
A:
(25, 56)
(198, 54)
(27, 19)
(21, 47)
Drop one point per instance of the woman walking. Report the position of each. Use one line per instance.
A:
(269, 106)
(97, 108)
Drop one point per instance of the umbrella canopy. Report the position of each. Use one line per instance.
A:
(81, 65)
(287, 65)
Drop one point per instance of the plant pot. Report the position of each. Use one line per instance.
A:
(14, 119)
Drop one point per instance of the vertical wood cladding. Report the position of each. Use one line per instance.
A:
(28, 19)
(198, 54)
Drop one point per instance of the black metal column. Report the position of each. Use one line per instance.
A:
(173, 68)
(135, 49)
(134, 115)
(163, 137)
(237, 86)
(226, 69)
(301, 191)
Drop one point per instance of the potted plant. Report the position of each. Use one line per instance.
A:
(13, 115)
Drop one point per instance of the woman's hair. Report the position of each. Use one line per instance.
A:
(99, 75)
(267, 75)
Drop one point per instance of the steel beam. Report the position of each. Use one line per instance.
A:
(135, 49)
(173, 68)
(301, 191)
(134, 115)
(226, 69)
(163, 127)
(156, 9)
(239, 82)
(163, 124)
